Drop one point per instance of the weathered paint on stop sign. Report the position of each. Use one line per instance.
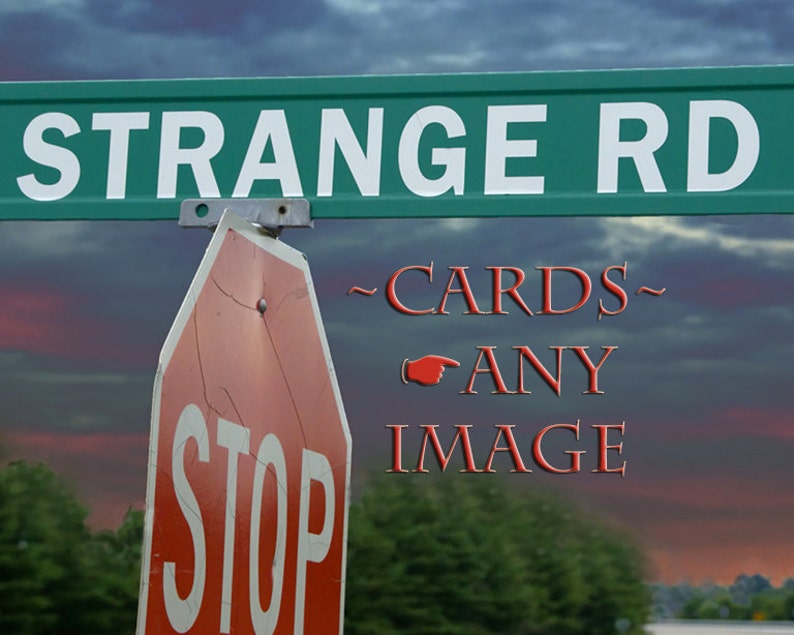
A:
(250, 453)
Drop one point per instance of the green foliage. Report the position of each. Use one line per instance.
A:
(427, 556)
(41, 537)
(750, 597)
(471, 555)
(111, 570)
(56, 578)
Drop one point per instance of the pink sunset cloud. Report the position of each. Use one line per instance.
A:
(43, 320)
(107, 469)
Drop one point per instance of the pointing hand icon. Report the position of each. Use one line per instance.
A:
(426, 370)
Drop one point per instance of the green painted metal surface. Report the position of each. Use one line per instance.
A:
(637, 142)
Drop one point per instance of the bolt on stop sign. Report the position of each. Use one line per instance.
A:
(249, 455)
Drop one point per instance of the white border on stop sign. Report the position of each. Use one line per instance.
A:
(292, 257)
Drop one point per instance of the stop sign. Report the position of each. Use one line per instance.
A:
(249, 461)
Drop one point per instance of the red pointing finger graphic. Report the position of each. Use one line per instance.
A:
(426, 370)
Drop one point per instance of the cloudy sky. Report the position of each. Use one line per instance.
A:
(702, 374)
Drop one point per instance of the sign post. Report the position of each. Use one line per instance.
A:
(249, 455)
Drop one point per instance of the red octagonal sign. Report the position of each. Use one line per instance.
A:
(248, 481)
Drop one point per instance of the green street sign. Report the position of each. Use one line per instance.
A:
(689, 141)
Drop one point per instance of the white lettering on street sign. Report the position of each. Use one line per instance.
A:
(524, 144)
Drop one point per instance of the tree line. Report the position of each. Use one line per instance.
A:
(56, 576)
(442, 555)
(748, 598)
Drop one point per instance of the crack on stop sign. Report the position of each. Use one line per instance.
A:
(231, 295)
(207, 401)
(234, 407)
(297, 294)
(186, 506)
(198, 357)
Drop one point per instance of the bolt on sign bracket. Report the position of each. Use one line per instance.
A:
(271, 214)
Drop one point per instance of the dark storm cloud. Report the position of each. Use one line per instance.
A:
(51, 393)
(772, 18)
(147, 39)
(26, 53)
(234, 18)
(85, 308)
(130, 275)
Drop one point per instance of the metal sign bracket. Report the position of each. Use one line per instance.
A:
(271, 215)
